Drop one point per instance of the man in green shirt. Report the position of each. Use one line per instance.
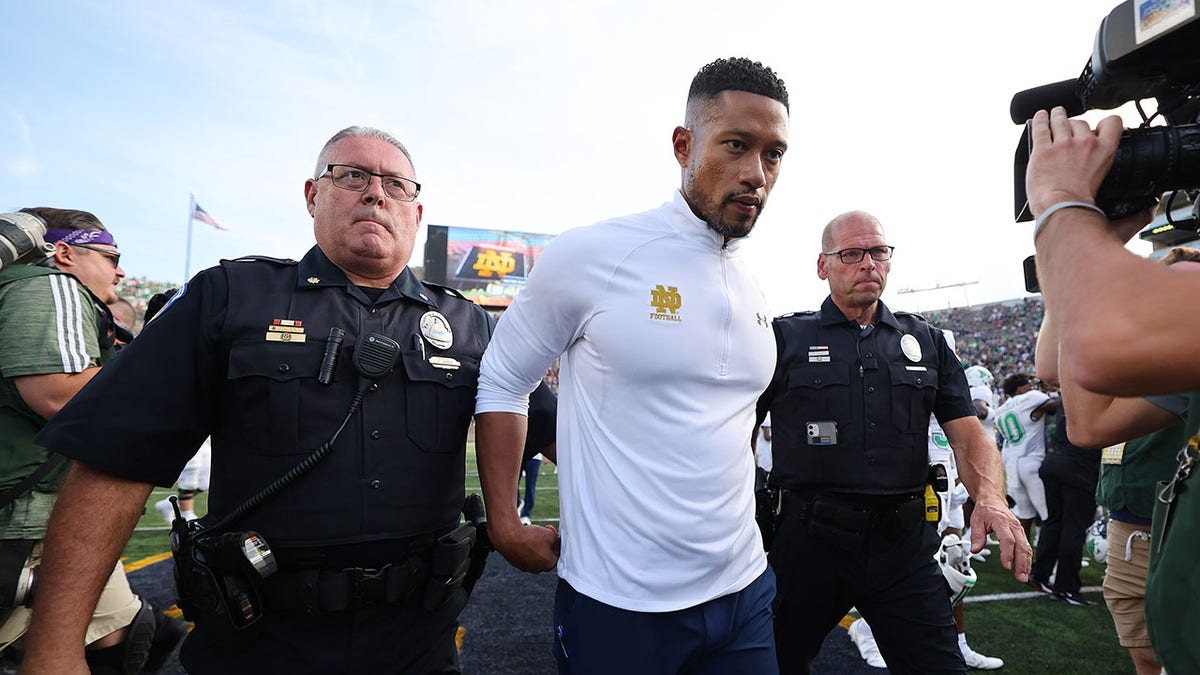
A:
(55, 333)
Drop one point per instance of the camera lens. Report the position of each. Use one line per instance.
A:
(1149, 162)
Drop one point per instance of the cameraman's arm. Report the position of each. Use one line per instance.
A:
(1045, 352)
(47, 394)
(91, 523)
(1117, 336)
(1095, 420)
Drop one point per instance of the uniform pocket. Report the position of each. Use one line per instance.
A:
(266, 378)
(440, 399)
(819, 392)
(914, 393)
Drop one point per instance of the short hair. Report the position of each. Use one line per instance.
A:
(732, 74)
(1014, 382)
(827, 233)
(65, 219)
(125, 306)
(359, 132)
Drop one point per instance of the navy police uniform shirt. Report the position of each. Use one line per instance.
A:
(237, 355)
(850, 406)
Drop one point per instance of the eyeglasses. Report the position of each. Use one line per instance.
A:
(357, 179)
(853, 255)
(113, 256)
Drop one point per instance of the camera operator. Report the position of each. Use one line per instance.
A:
(55, 332)
(1134, 338)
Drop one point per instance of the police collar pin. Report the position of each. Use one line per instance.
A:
(910, 347)
(436, 329)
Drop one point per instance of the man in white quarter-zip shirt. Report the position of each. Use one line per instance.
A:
(666, 345)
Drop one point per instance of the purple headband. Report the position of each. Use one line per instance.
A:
(80, 237)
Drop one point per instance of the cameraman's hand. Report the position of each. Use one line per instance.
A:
(529, 548)
(1069, 160)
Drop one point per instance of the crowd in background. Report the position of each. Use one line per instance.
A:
(999, 336)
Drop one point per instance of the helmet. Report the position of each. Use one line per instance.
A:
(955, 561)
(1097, 540)
(978, 376)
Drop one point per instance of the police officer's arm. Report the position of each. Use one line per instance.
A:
(981, 470)
(47, 394)
(92, 519)
(1105, 298)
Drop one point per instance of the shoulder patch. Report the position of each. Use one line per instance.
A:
(261, 258)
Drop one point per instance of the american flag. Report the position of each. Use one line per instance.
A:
(201, 215)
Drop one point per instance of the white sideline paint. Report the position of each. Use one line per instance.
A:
(1022, 596)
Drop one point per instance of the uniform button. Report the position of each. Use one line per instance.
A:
(283, 368)
(374, 386)
(449, 376)
(869, 355)
(870, 390)
(374, 309)
(816, 380)
(375, 484)
(872, 425)
(920, 380)
(375, 434)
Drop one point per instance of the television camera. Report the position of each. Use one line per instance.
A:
(1144, 49)
(22, 240)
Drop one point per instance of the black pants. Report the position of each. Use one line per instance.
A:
(1070, 484)
(894, 583)
(376, 639)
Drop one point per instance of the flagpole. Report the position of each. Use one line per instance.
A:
(187, 262)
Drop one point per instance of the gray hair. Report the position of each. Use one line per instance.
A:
(359, 132)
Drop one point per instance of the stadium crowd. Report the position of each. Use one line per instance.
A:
(999, 335)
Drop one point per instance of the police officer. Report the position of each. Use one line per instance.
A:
(850, 400)
(249, 353)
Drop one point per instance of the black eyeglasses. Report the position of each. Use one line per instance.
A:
(113, 256)
(853, 255)
(357, 179)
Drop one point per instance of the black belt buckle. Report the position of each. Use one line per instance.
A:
(367, 586)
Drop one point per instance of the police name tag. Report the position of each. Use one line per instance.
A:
(444, 362)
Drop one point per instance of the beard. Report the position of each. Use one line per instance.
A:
(713, 212)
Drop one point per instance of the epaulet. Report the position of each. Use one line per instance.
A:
(914, 314)
(262, 258)
(791, 314)
(445, 289)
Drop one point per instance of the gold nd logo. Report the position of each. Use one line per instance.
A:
(666, 303)
(489, 262)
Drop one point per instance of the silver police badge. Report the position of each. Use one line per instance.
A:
(910, 347)
(436, 329)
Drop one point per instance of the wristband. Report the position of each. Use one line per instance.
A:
(1041, 221)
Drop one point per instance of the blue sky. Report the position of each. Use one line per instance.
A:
(535, 116)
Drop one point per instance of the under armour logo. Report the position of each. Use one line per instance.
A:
(762, 319)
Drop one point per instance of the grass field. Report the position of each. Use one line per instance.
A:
(1032, 634)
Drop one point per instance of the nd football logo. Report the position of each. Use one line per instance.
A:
(491, 262)
(666, 302)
